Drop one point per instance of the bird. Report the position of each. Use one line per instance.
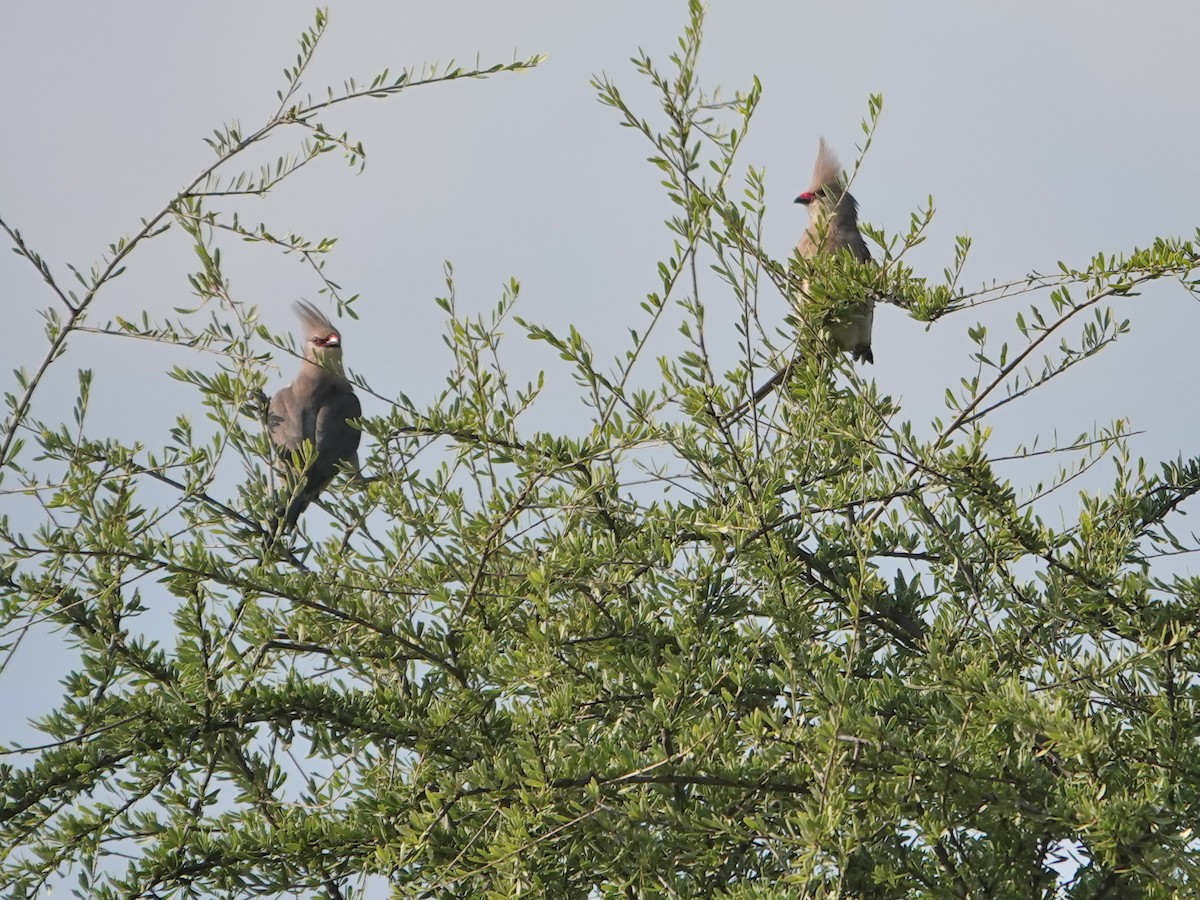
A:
(832, 228)
(316, 408)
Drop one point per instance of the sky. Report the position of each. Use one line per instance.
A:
(1045, 131)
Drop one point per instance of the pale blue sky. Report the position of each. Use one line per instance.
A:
(1046, 131)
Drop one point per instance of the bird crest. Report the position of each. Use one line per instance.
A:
(827, 171)
(322, 340)
(315, 322)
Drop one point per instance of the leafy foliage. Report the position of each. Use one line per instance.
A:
(680, 653)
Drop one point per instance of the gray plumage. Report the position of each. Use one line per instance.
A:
(316, 408)
(833, 226)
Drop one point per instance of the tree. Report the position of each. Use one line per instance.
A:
(816, 649)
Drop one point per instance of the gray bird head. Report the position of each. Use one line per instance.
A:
(322, 341)
(827, 194)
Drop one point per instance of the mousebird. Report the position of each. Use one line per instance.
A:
(315, 408)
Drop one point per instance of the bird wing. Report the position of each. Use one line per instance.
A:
(336, 439)
(284, 425)
(851, 238)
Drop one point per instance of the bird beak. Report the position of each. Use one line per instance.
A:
(804, 198)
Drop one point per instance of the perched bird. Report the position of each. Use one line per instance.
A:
(832, 228)
(315, 408)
